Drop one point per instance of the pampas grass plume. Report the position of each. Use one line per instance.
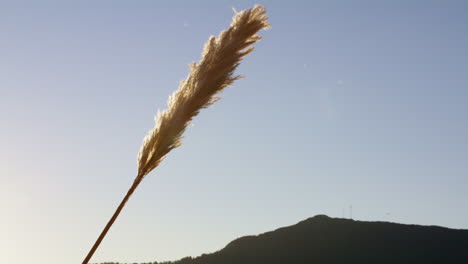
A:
(207, 78)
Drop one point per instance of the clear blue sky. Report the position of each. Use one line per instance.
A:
(360, 103)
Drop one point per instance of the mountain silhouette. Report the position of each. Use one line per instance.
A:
(322, 239)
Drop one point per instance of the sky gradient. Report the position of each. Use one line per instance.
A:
(361, 104)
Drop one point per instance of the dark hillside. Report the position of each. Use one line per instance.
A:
(322, 239)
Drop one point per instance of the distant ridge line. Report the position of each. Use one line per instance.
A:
(325, 240)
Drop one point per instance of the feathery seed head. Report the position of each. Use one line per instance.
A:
(214, 72)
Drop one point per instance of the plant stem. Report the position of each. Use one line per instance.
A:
(112, 220)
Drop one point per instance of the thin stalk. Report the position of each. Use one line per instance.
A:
(112, 220)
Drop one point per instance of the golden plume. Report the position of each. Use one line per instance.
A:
(206, 79)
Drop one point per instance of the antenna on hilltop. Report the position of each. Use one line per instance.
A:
(351, 212)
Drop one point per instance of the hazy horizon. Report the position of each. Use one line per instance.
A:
(360, 104)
